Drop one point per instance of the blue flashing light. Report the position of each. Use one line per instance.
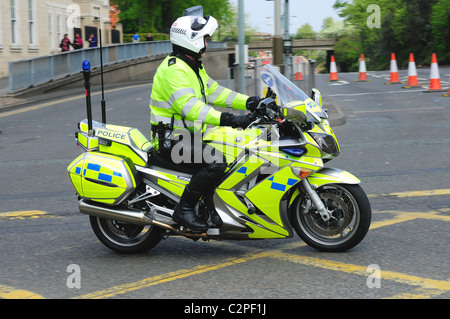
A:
(86, 65)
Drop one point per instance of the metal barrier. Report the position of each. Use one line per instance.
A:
(31, 72)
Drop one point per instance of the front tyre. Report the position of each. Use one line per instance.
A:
(349, 223)
(125, 238)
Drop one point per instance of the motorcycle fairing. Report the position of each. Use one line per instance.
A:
(102, 177)
(328, 175)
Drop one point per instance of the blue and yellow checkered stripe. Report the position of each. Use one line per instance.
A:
(281, 183)
(101, 173)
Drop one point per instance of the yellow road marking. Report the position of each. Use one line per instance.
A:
(182, 273)
(40, 106)
(433, 192)
(403, 216)
(419, 293)
(426, 283)
(7, 292)
(27, 214)
(427, 287)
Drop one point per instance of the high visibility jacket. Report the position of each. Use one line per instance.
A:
(177, 92)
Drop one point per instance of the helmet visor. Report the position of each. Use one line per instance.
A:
(194, 11)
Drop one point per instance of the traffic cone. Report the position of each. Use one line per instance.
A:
(333, 70)
(362, 70)
(394, 71)
(435, 80)
(298, 74)
(412, 74)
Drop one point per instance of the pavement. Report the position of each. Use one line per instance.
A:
(10, 102)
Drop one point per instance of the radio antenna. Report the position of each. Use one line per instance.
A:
(103, 102)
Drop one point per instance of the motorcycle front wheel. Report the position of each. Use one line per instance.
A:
(125, 238)
(349, 223)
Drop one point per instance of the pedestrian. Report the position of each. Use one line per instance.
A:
(78, 42)
(92, 41)
(65, 44)
(136, 38)
(149, 37)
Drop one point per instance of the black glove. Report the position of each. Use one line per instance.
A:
(252, 103)
(242, 121)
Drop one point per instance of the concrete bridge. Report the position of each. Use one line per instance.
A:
(303, 44)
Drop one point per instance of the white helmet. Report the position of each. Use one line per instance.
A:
(188, 32)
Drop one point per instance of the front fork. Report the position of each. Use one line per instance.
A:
(316, 201)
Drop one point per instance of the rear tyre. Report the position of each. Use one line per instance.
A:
(125, 238)
(350, 222)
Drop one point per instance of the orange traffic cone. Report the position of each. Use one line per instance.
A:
(362, 70)
(298, 74)
(412, 74)
(394, 71)
(333, 70)
(435, 80)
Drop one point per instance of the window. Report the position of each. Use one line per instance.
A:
(31, 22)
(13, 10)
(58, 28)
(50, 31)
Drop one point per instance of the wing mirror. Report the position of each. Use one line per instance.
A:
(316, 96)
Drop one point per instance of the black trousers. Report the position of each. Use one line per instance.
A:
(207, 163)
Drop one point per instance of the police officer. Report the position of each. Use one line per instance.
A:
(181, 94)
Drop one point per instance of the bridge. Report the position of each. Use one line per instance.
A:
(302, 44)
(125, 63)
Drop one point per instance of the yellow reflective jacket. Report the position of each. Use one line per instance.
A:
(177, 92)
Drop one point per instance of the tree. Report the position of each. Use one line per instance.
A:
(158, 15)
(305, 32)
(414, 26)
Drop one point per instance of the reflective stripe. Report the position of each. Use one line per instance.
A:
(204, 113)
(230, 98)
(180, 93)
(160, 104)
(188, 106)
(210, 83)
(214, 95)
(172, 98)
(167, 120)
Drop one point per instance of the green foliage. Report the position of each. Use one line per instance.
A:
(157, 16)
(305, 32)
(415, 26)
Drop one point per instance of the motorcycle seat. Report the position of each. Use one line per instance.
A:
(159, 160)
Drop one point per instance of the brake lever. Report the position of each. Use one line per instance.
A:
(254, 122)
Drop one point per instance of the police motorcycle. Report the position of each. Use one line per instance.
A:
(276, 183)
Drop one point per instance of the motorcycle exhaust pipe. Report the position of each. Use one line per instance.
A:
(126, 215)
(131, 216)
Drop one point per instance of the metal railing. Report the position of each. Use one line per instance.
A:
(31, 72)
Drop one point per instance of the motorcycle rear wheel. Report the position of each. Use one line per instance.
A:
(125, 238)
(349, 224)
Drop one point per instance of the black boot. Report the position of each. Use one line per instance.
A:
(184, 212)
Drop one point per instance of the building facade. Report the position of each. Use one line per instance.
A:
(33, 28)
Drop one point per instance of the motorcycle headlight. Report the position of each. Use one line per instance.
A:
(326, 142)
